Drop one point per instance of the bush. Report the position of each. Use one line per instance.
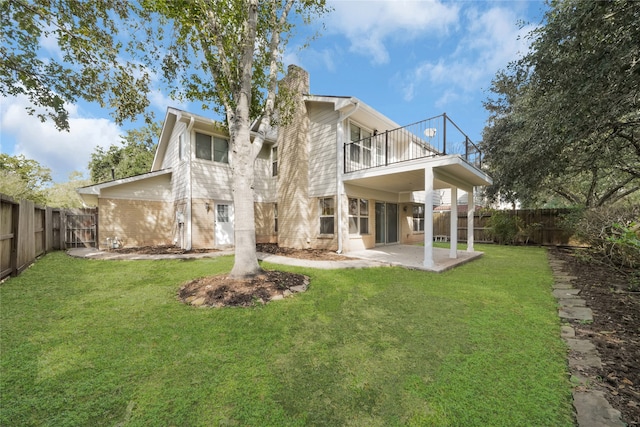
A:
(504, 228)
(613, 233)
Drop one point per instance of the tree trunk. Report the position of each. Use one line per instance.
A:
(242, 166)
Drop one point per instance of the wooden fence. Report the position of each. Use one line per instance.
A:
(28, 231)
(538, 226)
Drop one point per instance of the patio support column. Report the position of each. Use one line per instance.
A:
(453, 241)
(470, 211)
(428, 218)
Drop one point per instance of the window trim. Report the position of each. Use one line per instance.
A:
(222, 158)
(359, 216)
(322, 215)
(274, 161)
(362, 151)
(419, 219)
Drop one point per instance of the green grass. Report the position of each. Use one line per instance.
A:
(107, 343)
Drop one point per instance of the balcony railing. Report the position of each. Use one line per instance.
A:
(437, 136)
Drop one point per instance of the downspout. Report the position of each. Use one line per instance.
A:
(189, 204)
(340, 167)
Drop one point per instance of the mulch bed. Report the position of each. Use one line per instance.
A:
(615, 330)
(221, 290)
(160, 250)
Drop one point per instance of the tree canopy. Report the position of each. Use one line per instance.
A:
(57, 53)
(133, 157)
(23, 178)
(565, 118)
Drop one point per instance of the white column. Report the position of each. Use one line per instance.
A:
(471, 207)
(428, 218)
(453, 251)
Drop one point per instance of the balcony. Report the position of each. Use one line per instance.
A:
(436, 136)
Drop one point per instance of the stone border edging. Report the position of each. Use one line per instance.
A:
(591, 407)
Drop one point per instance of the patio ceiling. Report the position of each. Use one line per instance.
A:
(409, 176)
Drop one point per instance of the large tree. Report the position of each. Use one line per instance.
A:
(565, 119)
(226, 55)
(133, 157)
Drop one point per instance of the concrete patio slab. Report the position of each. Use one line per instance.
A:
(412, 256)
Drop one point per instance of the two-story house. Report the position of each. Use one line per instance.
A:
(339, 176)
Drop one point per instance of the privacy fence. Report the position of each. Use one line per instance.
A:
(28, 230)
(536, 226)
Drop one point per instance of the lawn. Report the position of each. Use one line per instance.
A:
(87, 342)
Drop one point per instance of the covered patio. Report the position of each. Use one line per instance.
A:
(425, 175)
(412, 257)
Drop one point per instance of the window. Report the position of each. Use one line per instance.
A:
(181, 146)
(326, 215)
(358, 216)
(274, 161)
(360, 148)
(212, 148)
(275, 217)
(222, 213)
(418, 217)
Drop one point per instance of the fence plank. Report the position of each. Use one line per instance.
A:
(28, 231)
(542, 225)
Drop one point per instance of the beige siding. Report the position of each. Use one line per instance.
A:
(317, 240)
(264, 183)
(156, 188)
(136, 222)
(203, 222)
(171, 157)
(293, 165)
(265, 223)
(211, 180)
(322, 168)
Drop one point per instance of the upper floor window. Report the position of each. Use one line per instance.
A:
(360, 147)
(274, 161)
(418, 217)
(212, 148)
(358, 216)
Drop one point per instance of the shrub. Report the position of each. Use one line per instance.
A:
(613, 233)
(504, 228)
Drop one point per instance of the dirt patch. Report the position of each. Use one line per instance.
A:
(615, 330)
(222, 290)
(312, 254)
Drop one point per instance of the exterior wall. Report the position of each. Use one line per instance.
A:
(211, 180)
(202, 223)
(322, 128)
(316, 240)
(265, 223)
(293, 167)
(264, 183)
(135, 222)
(157, 188)
(407, 234)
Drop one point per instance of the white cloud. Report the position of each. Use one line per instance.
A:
(492, 39)
(62, 152)
(370, 25)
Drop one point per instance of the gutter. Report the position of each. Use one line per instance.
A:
(340, 166)
(192, 121)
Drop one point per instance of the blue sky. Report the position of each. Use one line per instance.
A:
(409, 60)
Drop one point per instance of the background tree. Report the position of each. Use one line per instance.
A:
(64, 195)
(133, 157)
(23, 178)
(565, 119)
